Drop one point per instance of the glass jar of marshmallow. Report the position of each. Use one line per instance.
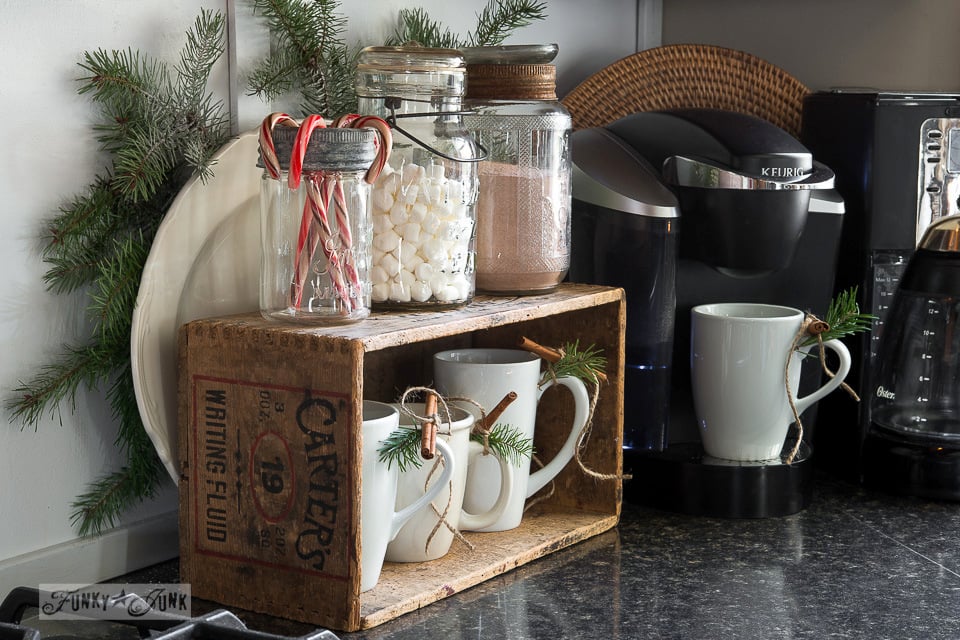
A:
(423, 204)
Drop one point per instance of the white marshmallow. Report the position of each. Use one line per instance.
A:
(390, 265)
(378, 275)
(398, 214)
(412, 173)
(389, 182)
(387, 241)
(399, 292)
(409, 193)
(381, 222)
(424, 272)
(435, 250)
(380, 292)
(381, 199)
(411, 232)
(418, 212)
(420, 291)
(406, 278)
(431, 223)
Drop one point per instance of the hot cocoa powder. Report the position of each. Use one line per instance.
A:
(523, 228)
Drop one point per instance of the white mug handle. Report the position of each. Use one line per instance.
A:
(401, 517)
(472, 522)
(581, 412)
(841, 350)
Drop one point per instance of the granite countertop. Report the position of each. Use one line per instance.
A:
(854, 564)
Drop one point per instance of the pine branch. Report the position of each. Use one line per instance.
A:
(500, 18)
(402, 447)
(107, 498)
(415, 25)
(844, 318)
(309, 56)
(575, 363)
(59, 381)
(116, 288)
(507, 443)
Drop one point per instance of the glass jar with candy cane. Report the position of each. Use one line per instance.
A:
(423, 205)
(315, 223)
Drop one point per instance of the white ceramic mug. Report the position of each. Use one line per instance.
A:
(421, 539)
(486, 376)
(379, 523)
(738, 358)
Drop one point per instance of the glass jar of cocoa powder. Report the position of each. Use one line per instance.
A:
(523, 209)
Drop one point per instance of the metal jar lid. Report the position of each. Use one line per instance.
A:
(511, 82)
(410, 58)
(329, 149)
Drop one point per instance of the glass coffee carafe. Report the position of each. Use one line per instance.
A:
(915, 405)
(918, 385)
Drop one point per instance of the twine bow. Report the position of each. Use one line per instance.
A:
(811, 326)
(444, 421)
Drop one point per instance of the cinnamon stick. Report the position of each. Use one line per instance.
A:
(490, 419)
(428, 433)
(549, 354)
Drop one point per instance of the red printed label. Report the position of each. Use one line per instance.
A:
(271, 475)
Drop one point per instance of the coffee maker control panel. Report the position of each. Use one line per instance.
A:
(939, 185)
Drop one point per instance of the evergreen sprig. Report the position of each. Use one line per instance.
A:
(159, 127)
(843, 317)
(500, 18)
(402, 446)
(577, 363)
(309, 57)
(495, 23)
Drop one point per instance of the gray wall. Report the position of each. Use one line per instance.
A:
(885, 44)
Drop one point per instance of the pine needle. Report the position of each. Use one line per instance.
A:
(576, 363)
(500, 18)
(844, 317)
(507, 443)
(402, 446)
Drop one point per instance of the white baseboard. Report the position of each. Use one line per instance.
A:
(95, 559)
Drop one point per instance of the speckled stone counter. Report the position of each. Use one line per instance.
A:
(855, 564)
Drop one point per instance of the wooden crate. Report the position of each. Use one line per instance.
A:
(269, 455)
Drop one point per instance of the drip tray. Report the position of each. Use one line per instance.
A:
(683, 479)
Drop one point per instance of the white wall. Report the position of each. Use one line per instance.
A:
(51, 155)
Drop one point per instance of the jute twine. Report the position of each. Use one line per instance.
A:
(444, 421)
(582, 440)
(811, 326)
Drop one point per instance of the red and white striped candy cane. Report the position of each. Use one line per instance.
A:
(384, 146)
(268, 151)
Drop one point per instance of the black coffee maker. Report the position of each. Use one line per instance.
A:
(687, 207)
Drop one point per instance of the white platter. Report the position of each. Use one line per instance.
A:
(204, 262)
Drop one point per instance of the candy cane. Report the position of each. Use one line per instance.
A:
(346, 235)
(300, 144)
(268, 151)
(314, 226)
(383, 148)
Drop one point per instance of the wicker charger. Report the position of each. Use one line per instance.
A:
(688, 76)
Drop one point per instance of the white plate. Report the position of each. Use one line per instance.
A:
(204, 262)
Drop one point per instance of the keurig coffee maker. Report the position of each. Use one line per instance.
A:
(686, 207)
